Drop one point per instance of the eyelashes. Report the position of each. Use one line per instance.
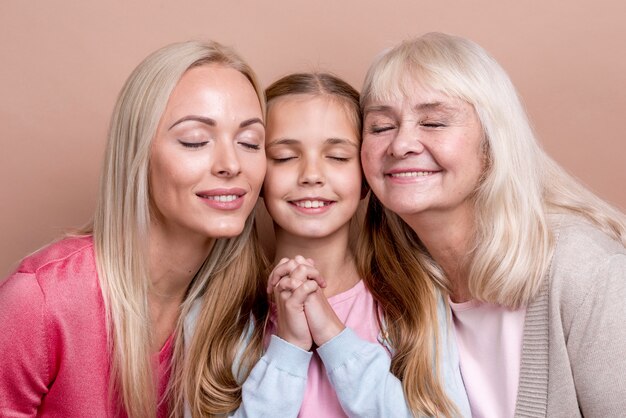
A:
(336, 158)
(380, 129)
(193, 144)
(250, 146)
(196, 145)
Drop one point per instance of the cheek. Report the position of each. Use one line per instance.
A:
(255, 170)
(369, 162)
(276, 181)
(170, 175)
(352, 180)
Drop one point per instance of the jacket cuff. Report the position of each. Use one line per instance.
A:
(287, 357)
(340, 349)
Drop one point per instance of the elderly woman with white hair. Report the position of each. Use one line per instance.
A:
(466, 202)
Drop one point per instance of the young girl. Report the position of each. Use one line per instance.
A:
(327, 340)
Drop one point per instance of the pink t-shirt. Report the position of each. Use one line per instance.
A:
(357, 310)
(490, 349)
(53, 341)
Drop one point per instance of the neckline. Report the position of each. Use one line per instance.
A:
(347, 294)
(464, 306)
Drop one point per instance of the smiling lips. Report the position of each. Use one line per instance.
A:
(412, 174)
(223, 199)
(312, 205)
(409, 174)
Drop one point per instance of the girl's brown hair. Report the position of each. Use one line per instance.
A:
(322, 84)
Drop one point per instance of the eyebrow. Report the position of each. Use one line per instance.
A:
(419, 107)
(378, 108)
(331, 141)
(436, 106)
(211, 122)
(340, 141)
(283, 141)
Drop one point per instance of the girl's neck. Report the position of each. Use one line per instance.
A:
(331, 254)
(447, 237)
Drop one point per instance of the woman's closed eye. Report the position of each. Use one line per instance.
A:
(249, 145)
(378, 129)
(192, 144)
(432, 124)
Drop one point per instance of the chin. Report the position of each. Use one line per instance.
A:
(226, 231)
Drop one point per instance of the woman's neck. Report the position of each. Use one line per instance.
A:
(174, 260)
(448, 237)
(331, 254)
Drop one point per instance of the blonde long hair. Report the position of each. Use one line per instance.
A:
(121, 230)
(513, 240)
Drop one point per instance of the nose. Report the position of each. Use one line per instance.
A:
(406, 142)
(311, 173)
(226, 160)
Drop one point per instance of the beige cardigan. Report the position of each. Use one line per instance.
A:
(574, 350)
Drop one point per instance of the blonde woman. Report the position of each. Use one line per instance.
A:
(91, 325)
(467, 202)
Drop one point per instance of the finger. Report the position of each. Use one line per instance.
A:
(299, 295)
(301, 260)
(307, 272)
(282, 269)
(284, 295)
(288, 283)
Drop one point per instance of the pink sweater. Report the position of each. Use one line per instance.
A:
(54, 360)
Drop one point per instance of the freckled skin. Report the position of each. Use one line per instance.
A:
(428, 132)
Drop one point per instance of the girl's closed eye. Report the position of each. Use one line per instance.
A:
(338, 158)
(342, 153)
(282, 157)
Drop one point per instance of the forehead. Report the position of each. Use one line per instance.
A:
(213, 83)
(320, 113)
(301, 101)
(417, 97)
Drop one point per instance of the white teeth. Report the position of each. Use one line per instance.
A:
(311, 204)
(413, 174)
(223, 198)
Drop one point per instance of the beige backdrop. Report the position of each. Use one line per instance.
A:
(63, 63)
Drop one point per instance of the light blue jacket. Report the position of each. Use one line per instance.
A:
(358, 370)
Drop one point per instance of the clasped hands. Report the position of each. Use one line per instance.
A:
(304, 315)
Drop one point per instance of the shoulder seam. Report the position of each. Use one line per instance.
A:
(56, 260)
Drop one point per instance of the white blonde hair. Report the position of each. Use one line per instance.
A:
(121, 225)
(521, 185)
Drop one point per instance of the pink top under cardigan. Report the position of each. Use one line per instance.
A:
(489, 338)
(54, 360)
